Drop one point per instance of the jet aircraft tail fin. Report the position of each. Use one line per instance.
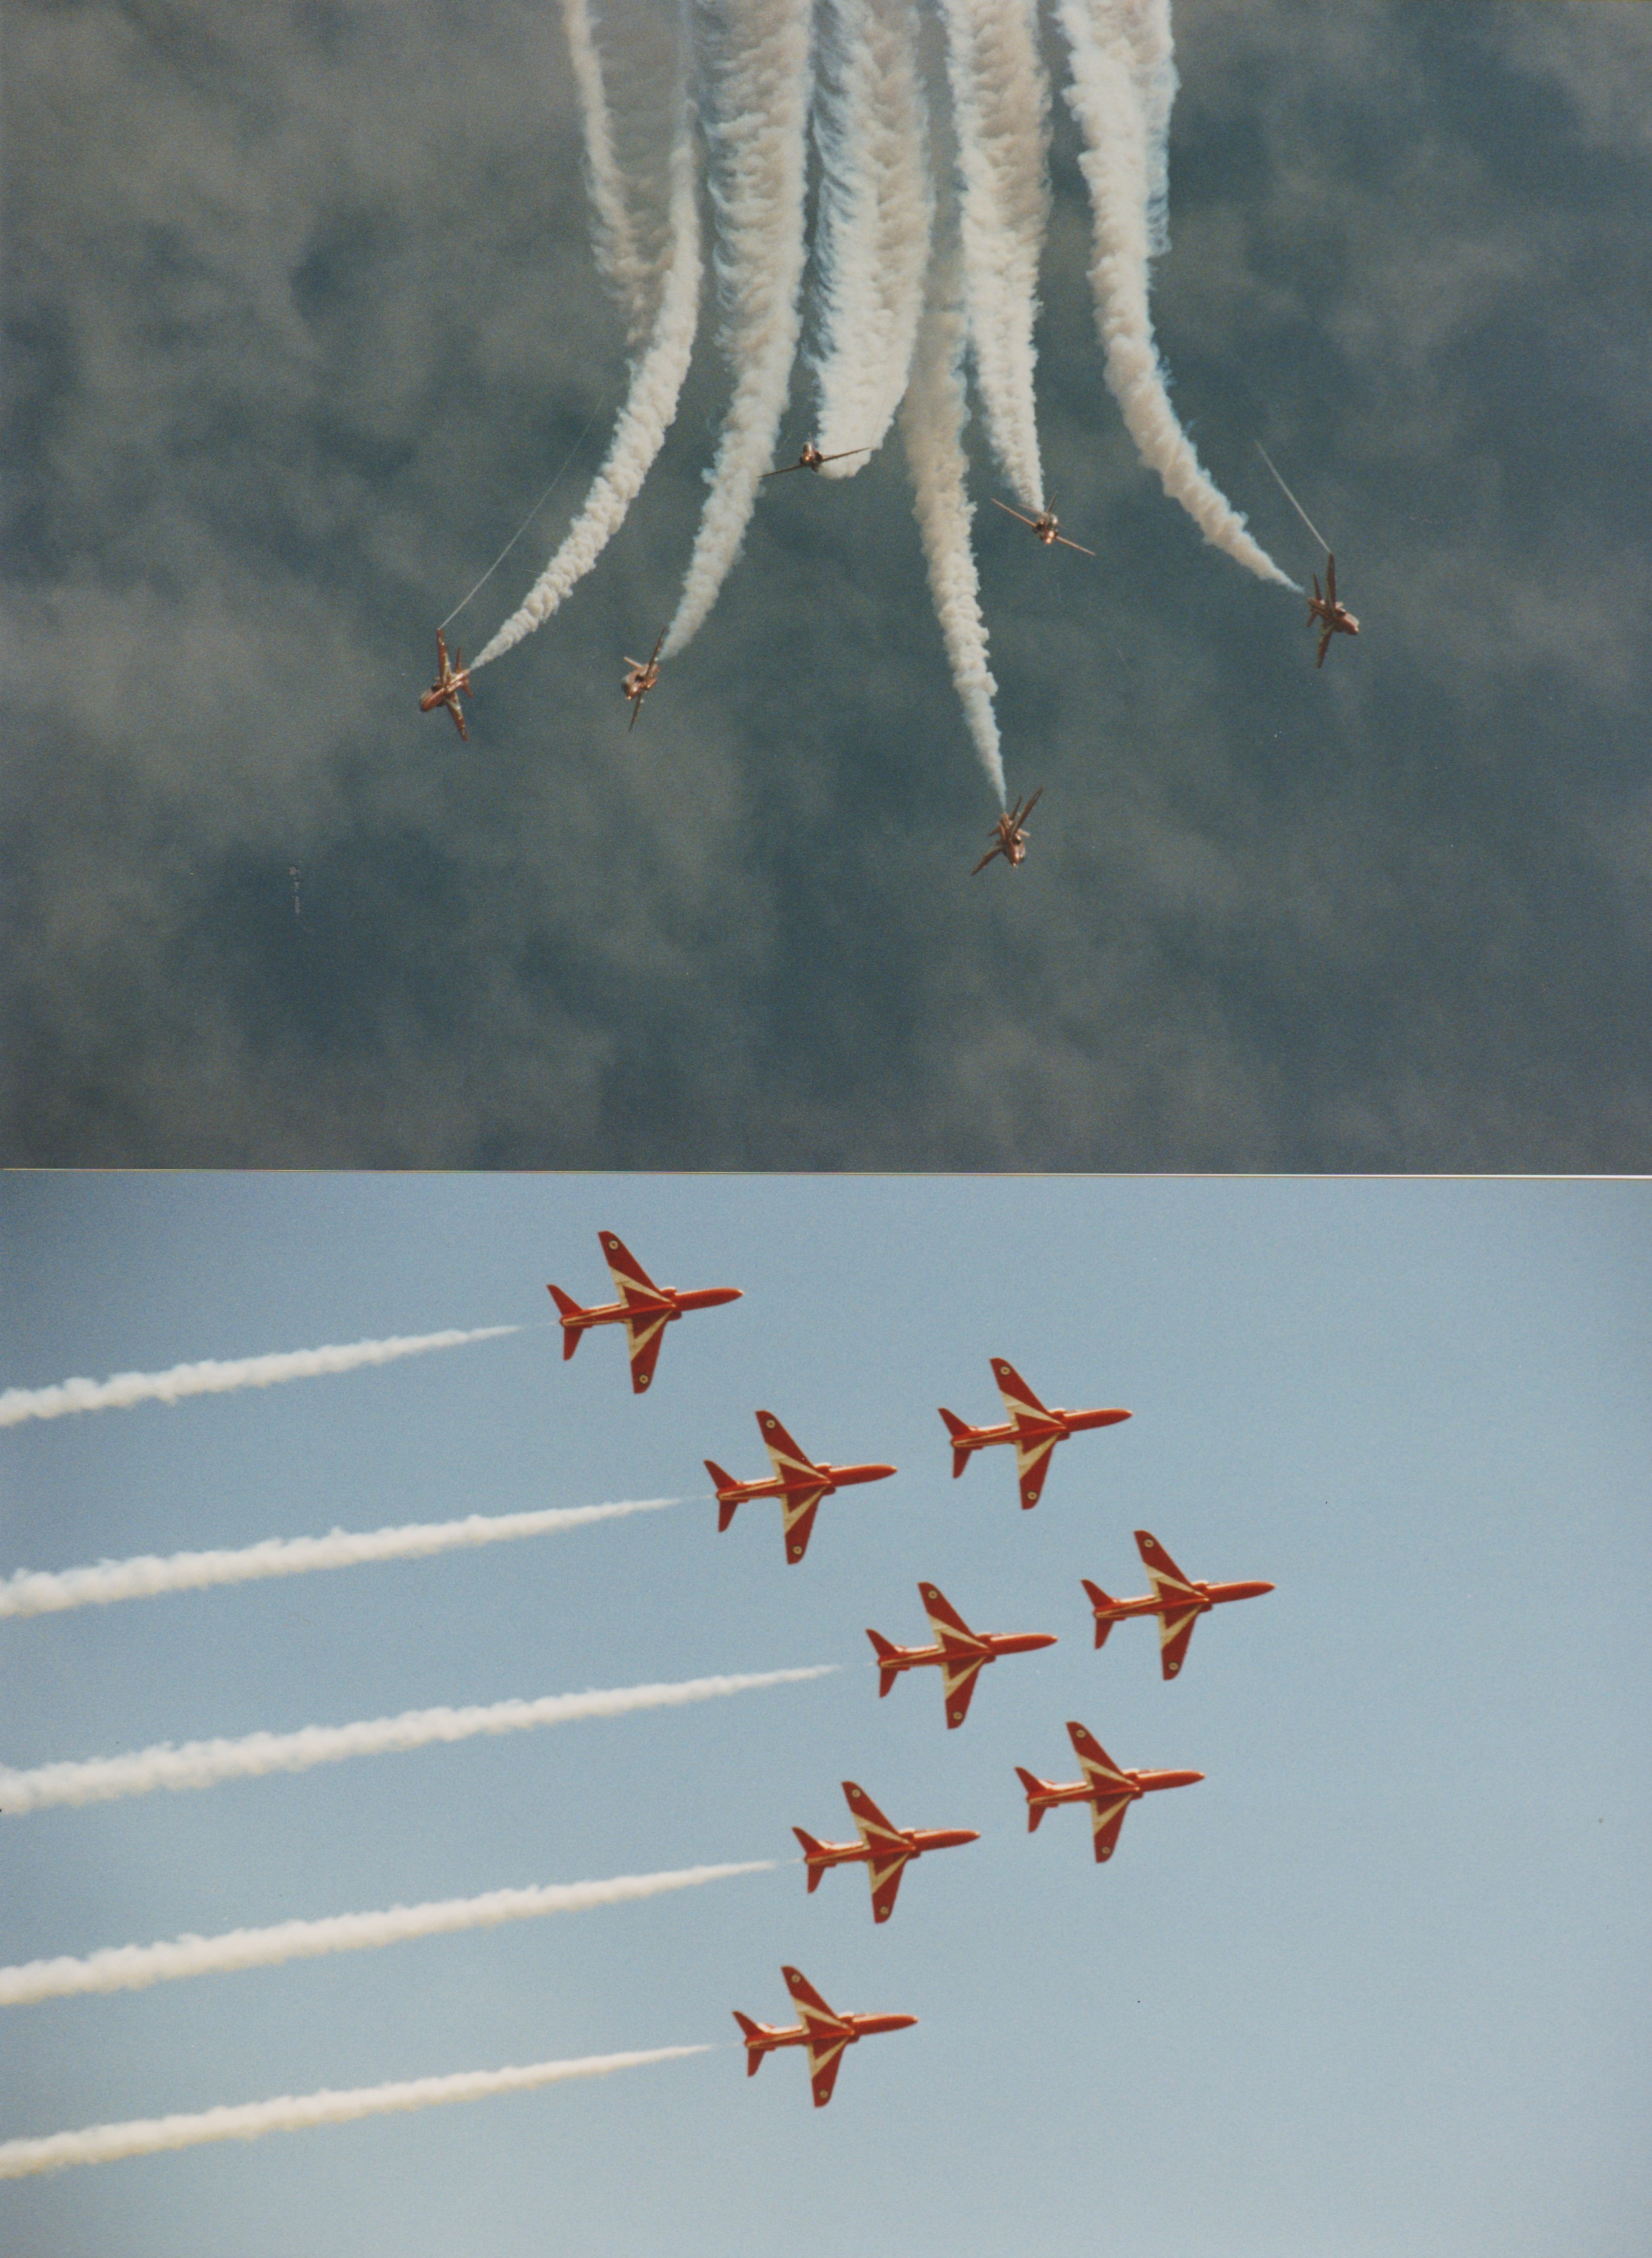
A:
(567, 1307)
(1035, 1787)
(755, 2049)
(1099, 1600)
(726, 1506)
(885, 1651)
(955, 1427)
(811, 1849)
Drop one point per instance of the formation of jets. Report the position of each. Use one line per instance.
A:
(1031, 1428)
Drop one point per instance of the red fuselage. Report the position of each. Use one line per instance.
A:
(829, 1478)
(1133, 1783)
(988, 1644)
(917, 1839)
(1205, 1596)
(1033, 1428)
(766, 2038)
(666, 1303)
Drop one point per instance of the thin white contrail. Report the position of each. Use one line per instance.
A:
(650, 404)
(615, 237)
(1291, 497)
(872, 235)
(104, 2144)
(933, 418)
(134, 1967)
(204, 1763)
(1121, 99)
(44, 1592)
(213, 1379)
(1001, 116)
(756, 56)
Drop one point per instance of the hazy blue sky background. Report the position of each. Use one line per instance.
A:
(302, 316)
(1378, 1987)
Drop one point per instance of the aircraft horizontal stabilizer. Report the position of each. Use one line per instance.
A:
(1034, 1787)
(1099, 1599)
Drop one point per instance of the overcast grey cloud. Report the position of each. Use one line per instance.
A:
(303, 313)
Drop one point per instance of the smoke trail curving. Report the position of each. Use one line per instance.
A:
(104, 2144)
(1123, 82)
(204, 1763)
(1000, 115)
(757, 74)
(615, 239)
(133, 1967)
(38, 1592)
(657, 379)
(211, 1379)
(933, 418)
(875, 212)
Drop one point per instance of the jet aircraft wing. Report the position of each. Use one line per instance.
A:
(631, 1282)
(1179, 1609)
(1175, 1634)
(886, 1874)
(987, 858)
(826, 2033)
(798, 1516)
(959, 1673)
(826, 2059)
(1324, 645)
(1107, 1818)
(887, 1847)
(647, 1336)
(1033, 1465)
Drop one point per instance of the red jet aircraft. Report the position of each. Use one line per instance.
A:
(961, 1654)
(798, 1483)
(1033, 1429)
(1108, 1792)
(812, 458)
(824, 2032)
(1176, 1600)
(643, 1308)
(451, 678)
(1334, 618)
(884, 1849)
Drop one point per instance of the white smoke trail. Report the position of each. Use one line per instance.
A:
(133, 1967)
(211, 1379)
(757, 72)
(1001, 116)
(204, 1763)
(41, 1592)
(933, 418)
(615, 237)
(104, 2144)
(657, 379)
(1120, 95)
(876, 208)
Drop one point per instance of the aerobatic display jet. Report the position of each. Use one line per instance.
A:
(824, 2032)
(884, 1849)
(960, 1653)
(1176, 1600)
(812, 458)
(1047, 526)
(798, 1482)
(643, 1308)
(452, 676)
(1334, 618)
(641, 675)
(1032, 1427)
(1108, 1791)
(1009, 835)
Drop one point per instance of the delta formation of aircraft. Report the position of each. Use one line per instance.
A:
(1032, 1429)
(1009, 835)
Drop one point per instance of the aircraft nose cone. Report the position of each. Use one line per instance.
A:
(1041, 1638)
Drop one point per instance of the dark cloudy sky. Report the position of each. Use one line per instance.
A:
(301, 314)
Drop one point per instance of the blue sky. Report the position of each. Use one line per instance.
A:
(1378, 1985)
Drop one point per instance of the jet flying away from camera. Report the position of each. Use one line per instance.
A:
(643, 1308)
(1031, 1427)
(812, 458)
(1009, 835)
(1108, 1790)
(452, 676)
(798, 1482)
(820, 2028)
(1334, 618)
(1046, 525)
(1176, 1600)
(884, 1849)
(960, 1653)
(641, 675)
